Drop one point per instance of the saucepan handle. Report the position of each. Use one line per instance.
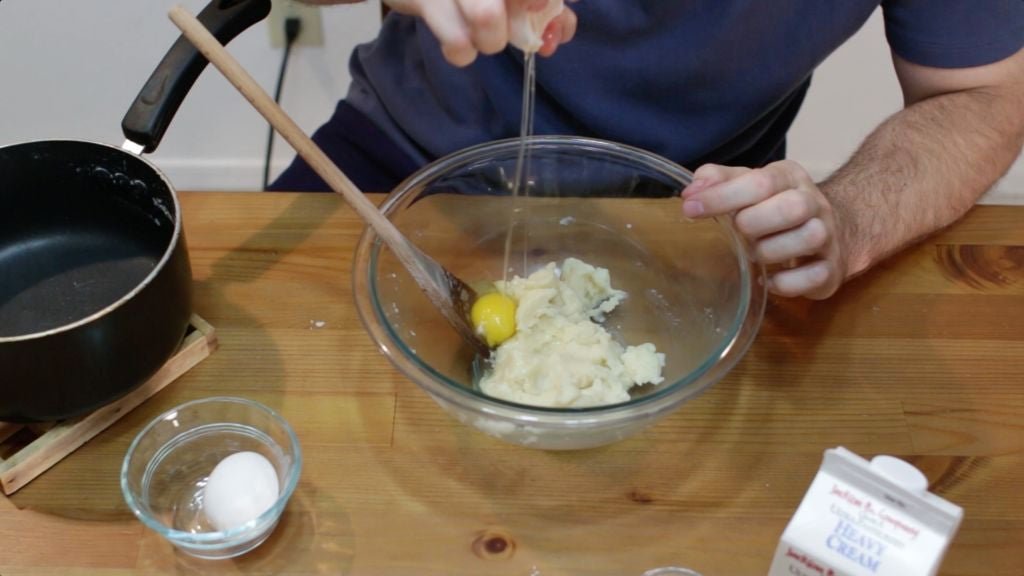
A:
(159, 99)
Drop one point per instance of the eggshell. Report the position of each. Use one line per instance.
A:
(525, 28)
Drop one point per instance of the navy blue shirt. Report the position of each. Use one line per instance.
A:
(693, 80)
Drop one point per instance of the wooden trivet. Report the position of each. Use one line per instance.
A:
(55, 440)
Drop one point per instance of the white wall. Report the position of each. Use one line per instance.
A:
(70, 69)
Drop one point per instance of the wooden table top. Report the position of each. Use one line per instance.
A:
(922, 358)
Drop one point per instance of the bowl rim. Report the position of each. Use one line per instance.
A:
(743, 330)
(216, 539)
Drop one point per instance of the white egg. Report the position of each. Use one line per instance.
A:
(241, 487)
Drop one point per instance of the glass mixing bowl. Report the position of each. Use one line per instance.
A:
(693, 289)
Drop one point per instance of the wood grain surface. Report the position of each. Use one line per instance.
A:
(922, 358)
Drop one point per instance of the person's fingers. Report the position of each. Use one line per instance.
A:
(785, 210)
(488, 24)
(705, 177)
(816, 280)
(552, 37)
(559, 31)
(781, 211)
(567, 19)
(808, 239)
(710, 174)
(745, 190)
(445, 20)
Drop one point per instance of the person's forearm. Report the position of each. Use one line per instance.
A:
(923, 169)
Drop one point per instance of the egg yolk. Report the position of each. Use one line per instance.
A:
(494, 317)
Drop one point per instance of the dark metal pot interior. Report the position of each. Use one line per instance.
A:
(94, 277)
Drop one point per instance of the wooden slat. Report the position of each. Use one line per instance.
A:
(57, 440)
(7, 430)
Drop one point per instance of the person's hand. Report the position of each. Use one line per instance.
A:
(466, 28)
(790, 225)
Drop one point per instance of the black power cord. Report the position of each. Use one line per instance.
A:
(292, 28)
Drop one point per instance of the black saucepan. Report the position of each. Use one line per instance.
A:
(95, 282)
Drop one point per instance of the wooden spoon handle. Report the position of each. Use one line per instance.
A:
(205, 42)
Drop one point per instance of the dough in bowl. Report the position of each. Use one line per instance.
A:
(561, 356)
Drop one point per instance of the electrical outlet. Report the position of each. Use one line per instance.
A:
(312, 33)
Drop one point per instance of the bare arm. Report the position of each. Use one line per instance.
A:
(919, 171)
(925, 166)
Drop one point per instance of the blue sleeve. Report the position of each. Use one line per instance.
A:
(954, 33)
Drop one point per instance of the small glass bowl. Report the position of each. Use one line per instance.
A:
(168, 464)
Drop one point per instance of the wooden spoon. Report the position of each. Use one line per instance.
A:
(450, 295)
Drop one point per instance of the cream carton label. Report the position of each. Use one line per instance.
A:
(860, 518)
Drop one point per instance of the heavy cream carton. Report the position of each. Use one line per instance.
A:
(863, 518)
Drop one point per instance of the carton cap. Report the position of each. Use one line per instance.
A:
(900, 472)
